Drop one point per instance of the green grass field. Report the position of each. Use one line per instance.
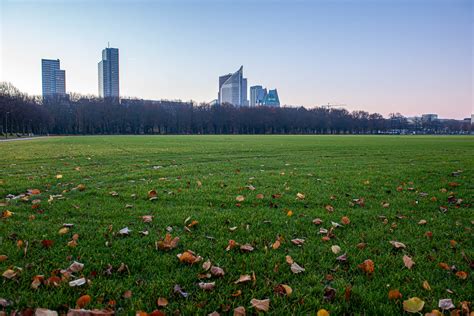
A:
(402, 180)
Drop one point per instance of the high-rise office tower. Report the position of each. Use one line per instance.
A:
(257, 95)
(109, 73)
(272, 99)
(233, 88)
(54, 79)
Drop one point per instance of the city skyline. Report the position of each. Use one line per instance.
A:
(390, 56)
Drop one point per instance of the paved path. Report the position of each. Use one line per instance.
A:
(25, 138)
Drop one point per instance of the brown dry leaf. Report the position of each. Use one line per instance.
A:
(317, 221)
(45, 312)
(207, 286)
(434, 312)
(193, 223)
(152, 194)
(260, 305)
(300, 196)
(462, 275)
(83, 301)
(276, 244)
(239, 311)
(260, 196)
(422, 222)
(397, 244)
(345, 220)
(335, 249)
(329, 208)
(289, 260)
(288, 289)
(217, 272)
(188, 257)
(298, 241)
(63, 231)
(240, 198)
(6, 214)
(231, 245)
(246, 248)
(408, 261)
(367, 266)
(206, 265)
(167, 243)
(3, 258)
(295, 268)
(127, 294)
(426, 285)
(236, 293)
(243, 278)
(37, 281)
(162, 302)
(9, 274)
(394, 294)
(147, 218)
(444, 266)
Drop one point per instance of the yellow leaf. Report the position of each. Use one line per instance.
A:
(63, 231)
(59, 176)
(322, 312)
(413, 305)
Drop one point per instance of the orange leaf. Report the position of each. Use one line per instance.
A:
(462, 275)
(345, 220)
(83, 301)
(367, 266)
(394, 294)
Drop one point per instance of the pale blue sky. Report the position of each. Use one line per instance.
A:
(408, 56)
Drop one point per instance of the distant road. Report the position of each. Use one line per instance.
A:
(26, 138)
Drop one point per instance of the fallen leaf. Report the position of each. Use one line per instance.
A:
(167, 243)
(322, 312)
(240, 198)
(289, 260)
(283, 289)
(37, 281)
(413, 305)
(276, 244)
(462, 275)
(76, 267)
(59, 176)
(147, 218)
(445, 304)
(162, 302)
(298, 241)
(300, 196)
(6, 214)
(260, 196)
(9, 274)
(193, 223)
(45, 312)
(397, 244)
(231, 245)
(408, 261)
(422, 222)
(246, 248)
(239, 311)
(206, 265)
(243, 278)
(289, 213)
(329, 293)
(3, 258)
(260, 305)
(295, 268)
(367, 266)
(83, 301)
(329, 208)
(217, 272)
(152, 194)
(207, 286)
(178, 290)
(189, 257)
(345, 220)
(124, 231)
(394, 294)
(426, 285)
(444, 266)
(335, 249)
(77, 282)
(434, 312)
(317, 221)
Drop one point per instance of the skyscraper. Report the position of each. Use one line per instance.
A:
(54, 79)
(272, 99)
(257, 95)
(109, 73)
(233, 88)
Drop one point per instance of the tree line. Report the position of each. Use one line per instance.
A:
(89, 115)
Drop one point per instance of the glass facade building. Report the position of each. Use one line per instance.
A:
(257, 95)
(233, 88)
(272, 99)
(109, 73)
(53, 78)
